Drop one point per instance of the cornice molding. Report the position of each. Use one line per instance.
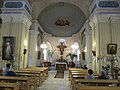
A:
(16, 18)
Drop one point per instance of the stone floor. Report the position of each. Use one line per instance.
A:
(56, 83)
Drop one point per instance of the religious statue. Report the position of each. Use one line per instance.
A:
(61, 47)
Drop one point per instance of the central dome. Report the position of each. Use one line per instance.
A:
(62, 19)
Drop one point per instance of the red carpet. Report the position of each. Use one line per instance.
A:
(59, 74)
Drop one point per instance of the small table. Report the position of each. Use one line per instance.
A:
(61, 66)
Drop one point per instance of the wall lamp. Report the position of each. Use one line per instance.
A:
(25, 51)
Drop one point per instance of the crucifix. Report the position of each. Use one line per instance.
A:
(61, 47)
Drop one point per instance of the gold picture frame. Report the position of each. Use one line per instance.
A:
(111, 48)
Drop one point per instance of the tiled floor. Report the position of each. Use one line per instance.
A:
(56, 83)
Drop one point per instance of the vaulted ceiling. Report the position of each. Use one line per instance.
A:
(72, 14)
(61, 19)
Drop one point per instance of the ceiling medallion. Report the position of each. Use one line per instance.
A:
(62, 22)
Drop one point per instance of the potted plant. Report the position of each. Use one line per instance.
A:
(72, 56)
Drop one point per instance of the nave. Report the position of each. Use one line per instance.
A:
(52, 83)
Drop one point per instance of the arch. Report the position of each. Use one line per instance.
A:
(49, 46)
(43, 4)
(62, 40)
(61, 21)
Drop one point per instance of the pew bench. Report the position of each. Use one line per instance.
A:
(76, 70)
(95, 82)
(22, 81)
(39, 73)
(81, 75)
(35, 76)
(13, 86)
(32, 79)
(98, 88)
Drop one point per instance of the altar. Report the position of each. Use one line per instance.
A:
(60, 66)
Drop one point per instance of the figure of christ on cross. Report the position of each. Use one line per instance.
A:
(61, 47)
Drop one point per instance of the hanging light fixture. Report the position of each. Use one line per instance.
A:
(43, 45)
(74, 46)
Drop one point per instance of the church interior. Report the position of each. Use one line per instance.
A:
(59, 44)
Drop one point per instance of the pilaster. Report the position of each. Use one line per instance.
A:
(88, 44)
(16, 23)
(105, 22)
(33, 44)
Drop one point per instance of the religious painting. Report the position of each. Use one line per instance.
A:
(83, 39)
(111, 48)
(8, 48)
(62, 22)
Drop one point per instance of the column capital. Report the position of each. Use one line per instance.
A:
(102, 10)
(16, 18)
(17, 7)
(104, 18)
(35, 25)
(105, 6)
(34, 32)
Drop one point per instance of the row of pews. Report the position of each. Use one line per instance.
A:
(78, 81)
(27, 79)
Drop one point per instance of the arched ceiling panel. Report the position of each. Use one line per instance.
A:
(62, 19)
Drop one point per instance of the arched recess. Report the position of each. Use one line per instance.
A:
(49, 52)
(70, 16)
(49, 46)
(77, 51)
(39, 6)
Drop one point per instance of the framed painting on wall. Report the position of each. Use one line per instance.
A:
(111, 48)
(8, 48)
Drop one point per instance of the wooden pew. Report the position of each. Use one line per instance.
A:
(95, 82)
(34, 76)
(14, 86)
(81, 74)
(41, 72)
(32, 79)
(23, 81)
(44, 70)
(76, 70)
(98, 88)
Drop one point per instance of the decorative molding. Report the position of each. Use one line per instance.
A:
(34, 32)
(13, 5)
(17, 7)
(105, 6)
(108, 4)
(16, 18)
(95, 6)
(28, 10)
